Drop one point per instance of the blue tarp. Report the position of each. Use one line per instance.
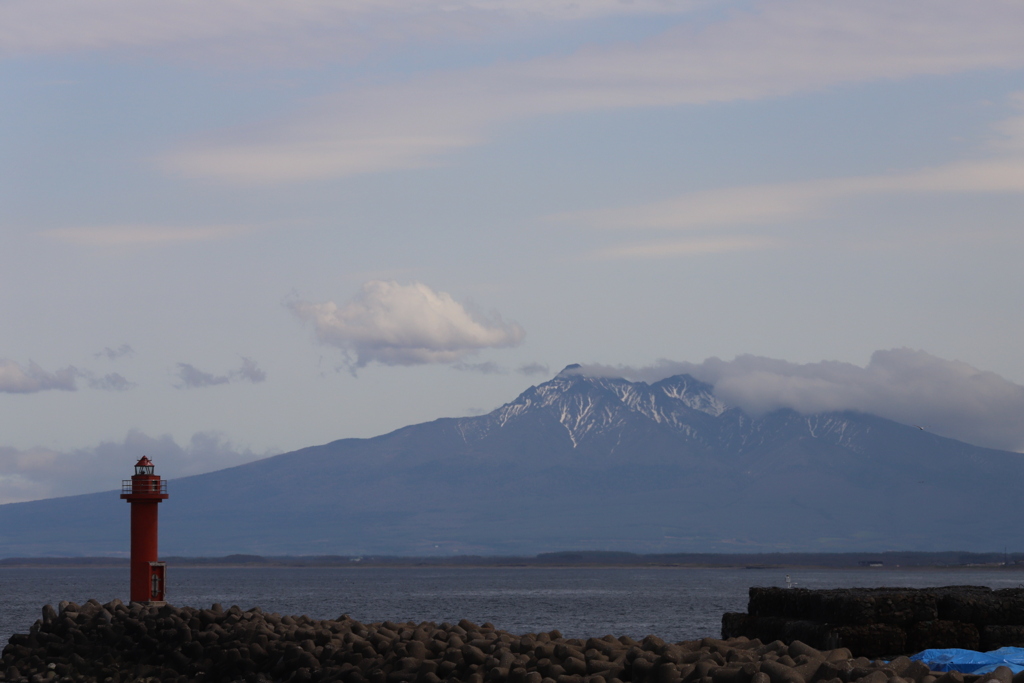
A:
(972, 661)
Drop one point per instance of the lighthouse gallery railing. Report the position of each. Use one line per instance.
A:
(150, 486)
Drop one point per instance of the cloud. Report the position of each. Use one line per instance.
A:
(113, 354)
(486, 368)
(249, 372)
(395, 324)
(721, 210)
(686, 247)
(141, 235)
(533, 369)
(772, 50)
(36, 473)
(112, 381)
(773, 203)
(15, 379)
(194, 378)
(262, 30)
(947, 397)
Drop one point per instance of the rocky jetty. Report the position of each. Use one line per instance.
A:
(114, 643)
(877, 622)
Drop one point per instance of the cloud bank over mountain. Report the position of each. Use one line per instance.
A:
(947, 397)
(395, 324)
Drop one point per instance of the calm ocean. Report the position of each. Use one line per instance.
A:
(674, 603)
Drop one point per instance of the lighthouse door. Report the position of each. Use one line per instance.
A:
(157, 572)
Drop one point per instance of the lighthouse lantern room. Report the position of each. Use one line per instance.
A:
(144, 491)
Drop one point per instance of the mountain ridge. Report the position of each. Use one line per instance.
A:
(577, 463)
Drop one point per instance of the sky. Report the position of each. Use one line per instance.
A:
(234, 228)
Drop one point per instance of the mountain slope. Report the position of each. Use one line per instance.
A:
(576, 463)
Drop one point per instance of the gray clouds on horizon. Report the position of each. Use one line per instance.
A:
(35, 473)
(193, 378)
(395, 324)
(947, 397)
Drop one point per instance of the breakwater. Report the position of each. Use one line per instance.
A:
(879, 622)
(116, 643)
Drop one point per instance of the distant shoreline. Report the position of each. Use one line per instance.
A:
(753, 562)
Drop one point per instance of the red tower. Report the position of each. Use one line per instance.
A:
(145, 491)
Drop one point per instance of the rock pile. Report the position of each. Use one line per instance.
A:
(877, 622)
(114, 643)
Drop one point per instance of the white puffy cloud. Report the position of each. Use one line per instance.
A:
(15, 379)
(395, 324)
(947, 397)
(36, 473)
(772, 50)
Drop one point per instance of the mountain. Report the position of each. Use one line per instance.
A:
(577, 462)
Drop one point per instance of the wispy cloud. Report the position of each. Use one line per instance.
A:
(685, 247)
(112, 381)
(141, 235)
(948, 397)
(714, 215)
(533, 369)
(765, 204)
(263, 30)
(775, 49)
(113, 354)
(18, 379)
(193, 378)
(485, 368)
(249, 372)
(395, 324)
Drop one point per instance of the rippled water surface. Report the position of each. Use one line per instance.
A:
(674, 603)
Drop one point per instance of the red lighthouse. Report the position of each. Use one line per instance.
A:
(145, 491)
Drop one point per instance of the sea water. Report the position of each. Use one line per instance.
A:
(675, 603)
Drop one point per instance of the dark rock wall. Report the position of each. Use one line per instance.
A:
(877, 622)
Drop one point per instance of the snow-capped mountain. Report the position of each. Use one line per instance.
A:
(592, 406)
(592, 410)
(577, 462)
